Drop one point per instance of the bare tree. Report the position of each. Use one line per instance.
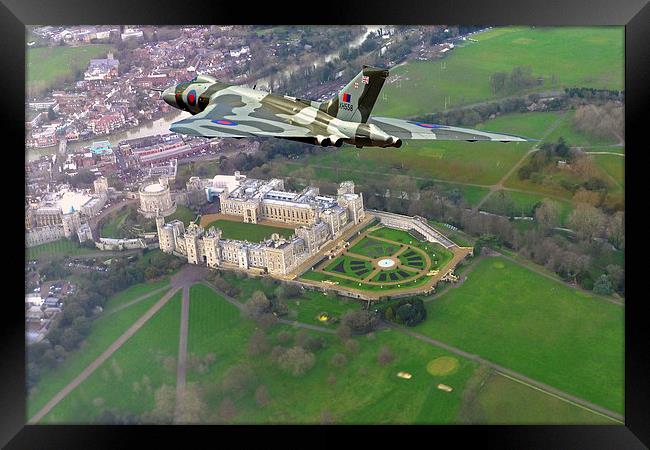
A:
(385, 355)
(262, 395)
(258, 343)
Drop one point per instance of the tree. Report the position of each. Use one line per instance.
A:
(616, 275)
(164, 404)
(192, 408)
(257, 306)
(587, 221)
(339, 360)
(258, 343)
(385, 355)
(227, 410)
(360, 321)
(603, 285)
(262, 395)
(296, 361)
(237, 379)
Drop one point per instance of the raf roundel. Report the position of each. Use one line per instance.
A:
(229, 123)
(191, 97)
(427, 125)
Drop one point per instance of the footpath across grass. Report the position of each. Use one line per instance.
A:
(104, 332)
(545, 330)
(126, 382)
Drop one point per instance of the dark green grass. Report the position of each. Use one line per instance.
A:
(184, 214)
(364, 391)
(373, 248)
(62, 247)
(49, 66)
(541, 328)
(104, 331)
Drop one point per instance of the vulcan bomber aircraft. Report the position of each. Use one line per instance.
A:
(223, 110)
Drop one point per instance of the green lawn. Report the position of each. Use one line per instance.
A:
(541, 328)
(373, 248)
(111, 227)
(49, 66)
(104, 331)
(614, 166)
(502, 400)
(251, 232)
(312, 303)
(126, 382)
(364, 391)
(564, 56)
(531, 125)
(439, 255)
(62, 247)
(575, 137)
(184, 214)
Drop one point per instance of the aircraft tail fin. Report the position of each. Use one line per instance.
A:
(356, 100)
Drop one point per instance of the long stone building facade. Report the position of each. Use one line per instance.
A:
(319, 219)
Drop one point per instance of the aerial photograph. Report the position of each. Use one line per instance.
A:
(328, 225)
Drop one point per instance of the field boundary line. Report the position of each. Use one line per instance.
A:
(559, 397)
(543, 386)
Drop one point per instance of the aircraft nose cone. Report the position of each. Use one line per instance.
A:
(169, 96)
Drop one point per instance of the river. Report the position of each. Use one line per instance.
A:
(150, 128)
(264, 82)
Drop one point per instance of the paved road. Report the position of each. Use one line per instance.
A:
(102, 358)
(520, 377)
(181, 366)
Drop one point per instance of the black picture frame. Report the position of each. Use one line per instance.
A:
(633, 14)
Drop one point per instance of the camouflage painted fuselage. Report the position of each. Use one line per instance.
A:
(224, 110)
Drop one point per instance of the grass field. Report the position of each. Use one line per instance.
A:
(251, 232)
(531, 125)
(104, 331)
(126, 382)
(502, 400)
(364, 391)
(62, 247)
(575, 56)
(576, 138)
(522, 204)
(614, 166)
(48, 66)
(312, 303)
(184, 214)
(541, 328)
(111, 227)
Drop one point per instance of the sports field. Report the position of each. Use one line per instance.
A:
(502, 400)
(563, 56)
(126, 382)
(49, 66)
(252, 232)
(541, 328)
